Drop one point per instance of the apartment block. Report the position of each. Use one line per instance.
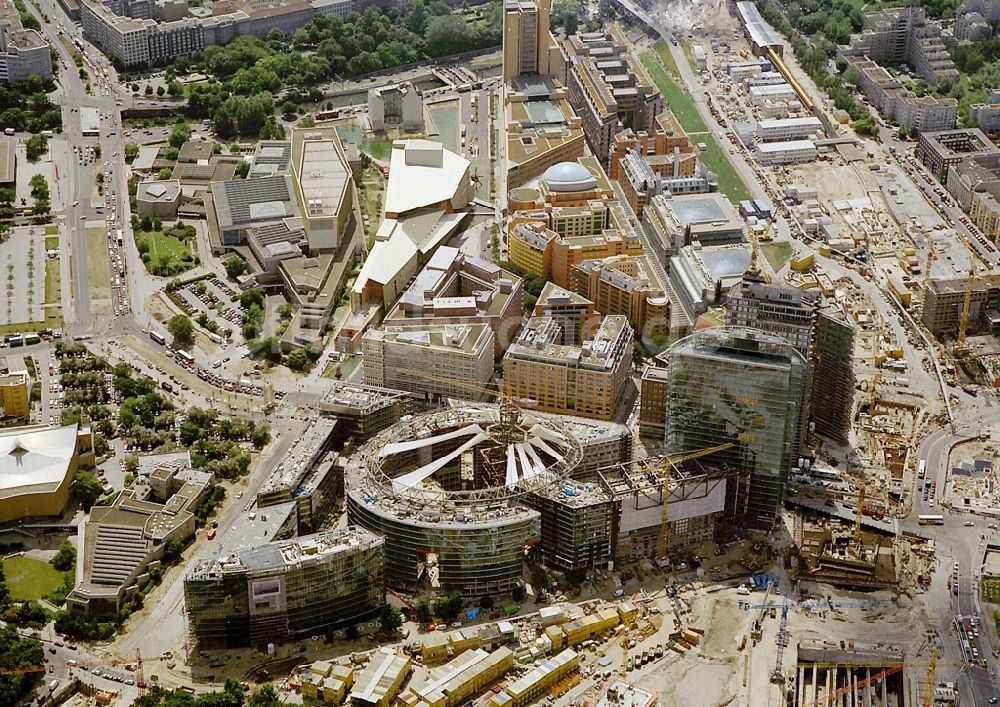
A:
(887, 94)
(667, 149)
(941, 150)
(987, 115)
(609, 88)
(436, 362)
(571, 373)
(653, 401)
(975, 184)
(638, 181)
(901, 36)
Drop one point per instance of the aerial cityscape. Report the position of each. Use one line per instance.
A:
(585, 353)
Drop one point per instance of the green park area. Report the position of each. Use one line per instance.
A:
(663, 70)
(98, 267)
(29, 578)
(989, 588)
(165, 250)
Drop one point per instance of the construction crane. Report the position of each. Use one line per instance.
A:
(405, 602)
(931, 257)
(755, 252)
(963, 322)
(667, 462)
(884, 672)
(834, 697)
(778, 675)
(23, 671)
(929, 685)
(757, 628)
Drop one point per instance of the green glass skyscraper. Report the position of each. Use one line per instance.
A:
(746, 387)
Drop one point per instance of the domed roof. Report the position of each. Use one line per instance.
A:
(569, 176)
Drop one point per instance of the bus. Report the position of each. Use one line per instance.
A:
(121, 238)
(930, 520)
(185, 357)
(158, 338)
(921, 468)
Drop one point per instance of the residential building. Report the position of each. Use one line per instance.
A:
(941, 150)
(788, 152)
(975, 184)
(653, 401)
(747, 388)
(608, 87)
(638, 181)
(886, 93)
(569, 370)
(454, 288)
(438, 361)
(528, 46)
(987, 115)
(788, 129)
(542, 129)
(285, 590)
(400, 105)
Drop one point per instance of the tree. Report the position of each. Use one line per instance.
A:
(17, 651)
(164, 173)
(447, 34)
(298, 359)
(39, 187)
(65, 558)
(36, 146)
(149, 90)
(517, 594)
(391, 618)
(4, 589)
(638, 354)
(242, 169)
(235, 266)
(486, 602)
(87, 489)
(180, 134)
(422, 612)
(181, 328)
(352, 633)
(449, 606)
(539, 577)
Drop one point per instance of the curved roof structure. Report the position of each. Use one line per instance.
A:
(35, 460)
(569, 177)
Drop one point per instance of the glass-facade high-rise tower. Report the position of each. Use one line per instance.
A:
(745, 387)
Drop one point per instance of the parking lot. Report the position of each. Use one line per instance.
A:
(218, 302)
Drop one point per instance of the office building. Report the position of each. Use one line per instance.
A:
(454, 288)
(941, 150)
(397, 106)
(285, 590)
(608, 87)
(324, 188)
(436, 362)
(667, 148)
(653, 401)
(15, 397)
(747, 388)
(944, 299)
(625, 284)
(363, 410)
(701, 275)
(577, 522)
(822, 333)
(975, 184)
(568, 369)
(673, 222)
(987, 115)
(542, 129)
(23, 53)
(528, 46)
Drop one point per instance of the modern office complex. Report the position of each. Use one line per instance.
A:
(708, 219)
(23, 52)
(572, 365)
(363, 410)
(541, 128)
(731, 385)
(15, 397)
(285, 590)
(436, 362)
(822, 333)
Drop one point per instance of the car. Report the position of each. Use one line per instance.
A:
(968, 524)
(993, 700)
(96, 671)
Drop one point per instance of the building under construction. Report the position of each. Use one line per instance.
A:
(842, 557)
(831, 674)
(363, 410)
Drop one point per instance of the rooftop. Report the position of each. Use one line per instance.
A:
(35, 459)
(322, 171)
(423, 173)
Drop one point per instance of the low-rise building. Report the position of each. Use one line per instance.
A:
(158, 198)
(465, 676)
(788, 129)
(531, 686)
(788, 152)
(399, 105)
(15, 397)
(383, 678)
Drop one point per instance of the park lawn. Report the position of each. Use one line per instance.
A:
(53, 283)
(716, 159)
(161, 243)
(51, 242)
(29, 578)
(379, 149)
(98, 266)
(667, 57)
(989, 588)
(676, 97)
(51, 230)
(777, 254)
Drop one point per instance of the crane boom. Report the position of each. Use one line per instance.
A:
(755, 252)
(963, 322)
(668, 461)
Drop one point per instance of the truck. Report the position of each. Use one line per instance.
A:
(211, 534)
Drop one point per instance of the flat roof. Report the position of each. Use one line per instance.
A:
(786, 146)
(90, 120)
(8, 165)
(322, 172)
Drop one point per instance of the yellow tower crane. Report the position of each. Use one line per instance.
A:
(885, 670)
(668, 461)
(931, 257)
(755, 251)
(963, 322)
